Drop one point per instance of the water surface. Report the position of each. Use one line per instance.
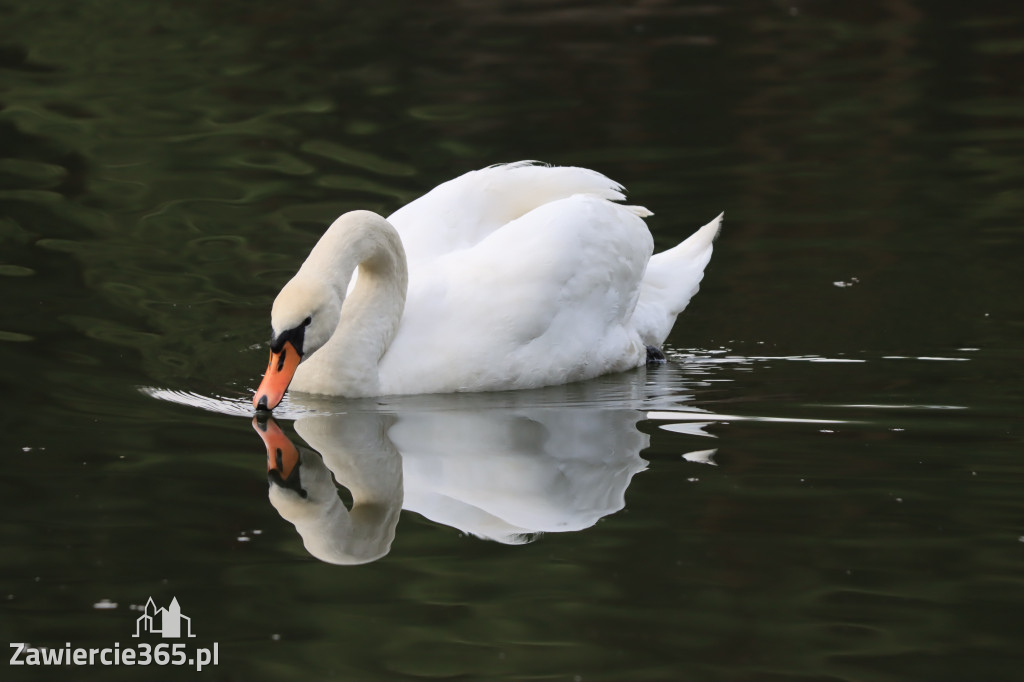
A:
(823, 483)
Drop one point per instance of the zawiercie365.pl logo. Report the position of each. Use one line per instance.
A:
(169, 623)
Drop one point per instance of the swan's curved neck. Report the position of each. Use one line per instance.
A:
(364, 245)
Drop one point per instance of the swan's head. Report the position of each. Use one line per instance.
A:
(303, 318)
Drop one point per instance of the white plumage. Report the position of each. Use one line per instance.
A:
(518, 276)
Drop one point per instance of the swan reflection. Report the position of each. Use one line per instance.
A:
(357, 454)
(503, 468)
(500, 466)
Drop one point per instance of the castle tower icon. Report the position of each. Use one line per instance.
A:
(166, 622)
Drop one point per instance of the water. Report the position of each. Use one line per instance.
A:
(824, 482)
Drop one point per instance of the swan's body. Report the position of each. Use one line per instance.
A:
(510, 277)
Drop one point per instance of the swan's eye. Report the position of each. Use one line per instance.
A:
(296, 335)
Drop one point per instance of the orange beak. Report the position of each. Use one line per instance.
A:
(277, 377)
(282, 455)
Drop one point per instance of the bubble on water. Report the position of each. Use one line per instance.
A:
(701, 457)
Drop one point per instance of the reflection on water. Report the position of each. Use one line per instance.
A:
(359, 455)
(504, 467)
(824, 513)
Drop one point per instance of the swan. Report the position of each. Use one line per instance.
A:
(513, 276)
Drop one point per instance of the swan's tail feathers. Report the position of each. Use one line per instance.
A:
(701, 239)
(672, 278)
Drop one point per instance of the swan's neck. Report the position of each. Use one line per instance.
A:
(364, 245)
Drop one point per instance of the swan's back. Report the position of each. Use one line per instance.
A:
(544, 299)
(460, 213)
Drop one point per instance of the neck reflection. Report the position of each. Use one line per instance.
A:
(504, 467)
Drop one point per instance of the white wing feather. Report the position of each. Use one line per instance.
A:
(461, 212)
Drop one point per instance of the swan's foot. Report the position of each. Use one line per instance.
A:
(655, 356)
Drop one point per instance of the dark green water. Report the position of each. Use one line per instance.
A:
(854, 356)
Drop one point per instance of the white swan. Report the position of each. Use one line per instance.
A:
(513, 276)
